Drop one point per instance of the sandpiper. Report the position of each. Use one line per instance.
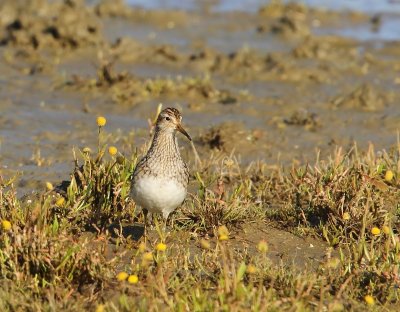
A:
(161, 177)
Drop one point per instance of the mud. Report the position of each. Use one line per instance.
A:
(39, 24)
(284, 248)
(279, 76)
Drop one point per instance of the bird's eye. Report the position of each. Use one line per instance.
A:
(167, 118)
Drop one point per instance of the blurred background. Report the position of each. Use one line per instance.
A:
(277, 81)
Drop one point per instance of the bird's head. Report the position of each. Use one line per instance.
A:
(170, 119)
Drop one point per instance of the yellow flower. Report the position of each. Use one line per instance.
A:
(112, 150)
(389, 175)
(336, 306)
(223, 233)
(133, 279)
(386, 229)
(251, 269)
(147, 256)
(375, 231)
(60, 202)
(6, 225)
(346, 216)
(223, 237)
(49, 186)
(229, 162)
(86, 150)
(121, 276)
(100, 308)
(142, 247)
(262, 246)
(333, 263)
(101, 121)
(204, 244)
(369, 300)
(161, 247)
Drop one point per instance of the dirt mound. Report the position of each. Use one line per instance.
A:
(364, 97)
(325, 48)
(303, 117)
(41, 24)
(229, 136)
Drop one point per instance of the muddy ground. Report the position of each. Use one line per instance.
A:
(280, 83)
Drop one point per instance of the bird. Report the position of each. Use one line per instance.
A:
(160, 179)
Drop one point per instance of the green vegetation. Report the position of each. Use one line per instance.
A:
(60, 251)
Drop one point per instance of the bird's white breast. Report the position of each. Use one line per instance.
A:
(158, 195)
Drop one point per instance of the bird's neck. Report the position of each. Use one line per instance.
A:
(164, 142)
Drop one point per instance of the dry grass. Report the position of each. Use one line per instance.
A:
(48, 263)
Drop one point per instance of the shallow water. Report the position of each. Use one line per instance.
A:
(282, 108)
(369, 6)
(387, 10)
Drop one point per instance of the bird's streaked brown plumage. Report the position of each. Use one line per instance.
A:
(161, 177)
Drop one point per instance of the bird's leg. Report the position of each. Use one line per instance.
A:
(145, 215)
(165, 224)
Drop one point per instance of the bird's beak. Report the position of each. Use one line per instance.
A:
(183, 131)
